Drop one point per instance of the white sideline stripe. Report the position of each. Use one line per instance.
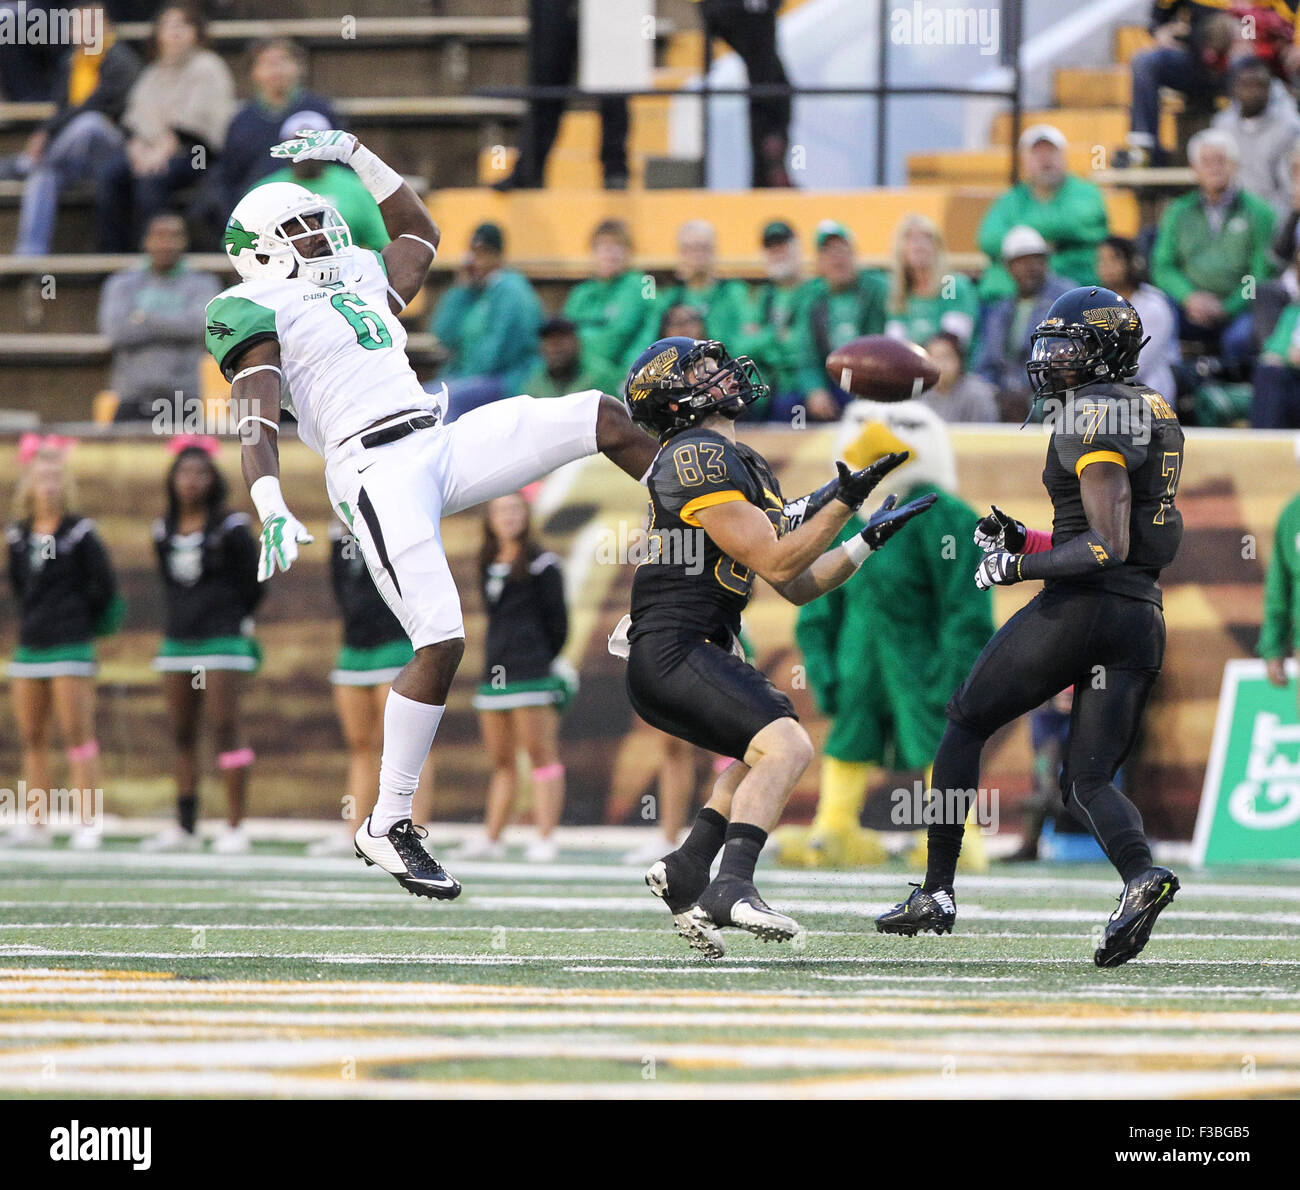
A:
(396, 928)
(652, 907)
(514, 871)
(794, 958)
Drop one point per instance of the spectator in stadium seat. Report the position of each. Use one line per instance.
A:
(1263, 120)
(1284, 237)
(1120, 268)
(749, 28)
(275, 70)
(1275, 404)
(721, 302)
(153, 317)
(336, 182)
(843, 302)
(90, 92)
(682, 320)
(776, 321)
(925, 296)
(1279, 631)
(1193, 45)
(176, 117)
(1274, 296)
(1212, 249)
(564, 367)
(959, 395)
(1008, 323)
(552, 62)
(610, 308)
(1066, 211)
(488, 322)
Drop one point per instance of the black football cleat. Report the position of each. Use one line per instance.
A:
(731, 901)
(401, 854)
(677, 882)
(1130, 925)
(922, 910)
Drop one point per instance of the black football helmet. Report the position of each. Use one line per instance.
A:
(1090, 334)
(666, 392)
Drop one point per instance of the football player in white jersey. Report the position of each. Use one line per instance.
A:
(312, 327)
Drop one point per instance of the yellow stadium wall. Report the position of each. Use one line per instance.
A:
(1233, 487)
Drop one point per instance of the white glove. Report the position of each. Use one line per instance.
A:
(282, 534)
(998, 569)
(329, 145)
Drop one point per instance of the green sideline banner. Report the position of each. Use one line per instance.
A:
(1250, 803)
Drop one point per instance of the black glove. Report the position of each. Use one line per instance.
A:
(998, 531)
(853, 487)
(887, 520)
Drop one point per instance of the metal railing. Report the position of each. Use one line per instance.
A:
(1011, 16)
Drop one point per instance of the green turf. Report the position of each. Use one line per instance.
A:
(569, 977)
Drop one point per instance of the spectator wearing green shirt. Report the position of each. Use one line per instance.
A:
(338, 183)
(1212, 248)
(925, 296)
(1066, 211)
(1275, 404)
(564, 367)
(488, 323)
(610, 309)
(842, 303)
(1277, 633)
(721, 302)
(772, 335)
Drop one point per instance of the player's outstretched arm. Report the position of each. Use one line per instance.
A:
(255, 401)
(415, 236)
(1107, 502)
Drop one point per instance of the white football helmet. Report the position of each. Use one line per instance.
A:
(270, 221)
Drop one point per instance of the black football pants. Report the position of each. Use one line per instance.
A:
(1110, 648)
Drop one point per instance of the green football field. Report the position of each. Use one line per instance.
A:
(276, 975)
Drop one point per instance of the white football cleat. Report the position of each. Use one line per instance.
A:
(233, 840)
(86, 838)
(542, 851)
(481, 847)
(401, 854)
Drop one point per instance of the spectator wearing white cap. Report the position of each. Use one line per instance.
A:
(338, 183)
(1008, 322)
(1066, 211)
(1212, 252)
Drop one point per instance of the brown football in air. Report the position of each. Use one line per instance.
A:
(882, 369)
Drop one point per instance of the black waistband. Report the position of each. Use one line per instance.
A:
(395, 433)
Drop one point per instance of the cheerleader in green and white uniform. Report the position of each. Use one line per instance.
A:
(208, 559)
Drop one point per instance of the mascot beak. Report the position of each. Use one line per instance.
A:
(875, 441)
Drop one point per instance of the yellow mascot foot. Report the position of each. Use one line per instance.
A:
(792, 847)
(853, 848)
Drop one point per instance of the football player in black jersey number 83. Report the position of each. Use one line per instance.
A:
(1113, 465)
(717, 519)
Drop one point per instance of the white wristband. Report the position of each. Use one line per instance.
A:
(267, 498)
(381, 180)
(856, 549)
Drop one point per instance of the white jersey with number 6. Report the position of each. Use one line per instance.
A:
(342, 350)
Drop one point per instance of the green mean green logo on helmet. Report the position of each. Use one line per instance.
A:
(237, 238)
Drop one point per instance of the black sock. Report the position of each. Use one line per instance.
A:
(956, 767)
(708, 833)
(1116, 824)
(187, 811)
(744, 842)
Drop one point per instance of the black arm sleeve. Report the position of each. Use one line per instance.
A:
(555, 616)
(1085, 554)
(807, 507)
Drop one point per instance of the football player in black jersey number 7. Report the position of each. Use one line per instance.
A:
(1113, 464)
(717, 519)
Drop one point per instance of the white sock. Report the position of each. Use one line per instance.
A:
(409, 728)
